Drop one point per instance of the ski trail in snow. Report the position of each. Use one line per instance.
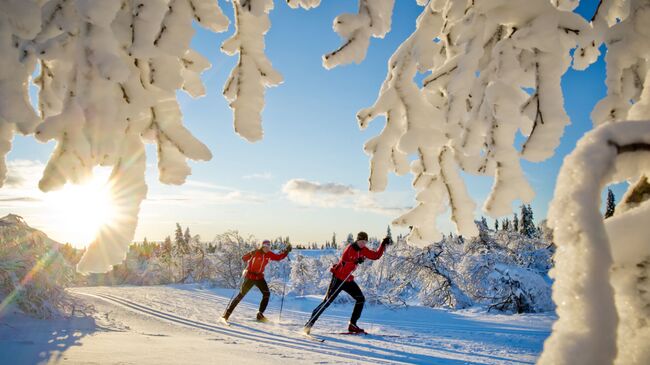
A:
(299, 317)
(438, 337)
(259, 336)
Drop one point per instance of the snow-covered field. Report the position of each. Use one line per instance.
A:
(178, 324)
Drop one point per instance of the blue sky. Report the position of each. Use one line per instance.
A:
(310, 134)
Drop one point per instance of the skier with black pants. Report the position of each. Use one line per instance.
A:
(254, 276)
(343, 280)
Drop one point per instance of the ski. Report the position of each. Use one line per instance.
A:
(365, 334)
(312, 337)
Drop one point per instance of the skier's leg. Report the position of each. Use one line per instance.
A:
(355, 292)
(245, 287)
(331, 294)
(264, 288)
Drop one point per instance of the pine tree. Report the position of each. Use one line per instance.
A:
(334, 245)
(181, 247)
(515, 223)
(483, 231)
(526, 223)
(611, 204)
(389, 234)
(506, 224)
(496, 225)
(484, 223)
(166, 253)
(531, 230)
(187, 237)
(350, 239)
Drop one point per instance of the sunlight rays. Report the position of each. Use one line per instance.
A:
(40, 264)
(81, 210)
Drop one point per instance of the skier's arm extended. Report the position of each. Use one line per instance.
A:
(373, 255)
(275, 257)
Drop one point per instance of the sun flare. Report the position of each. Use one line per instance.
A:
(81, 210)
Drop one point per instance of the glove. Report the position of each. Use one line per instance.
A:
(387, 241)
(288, 248)
(360, 260)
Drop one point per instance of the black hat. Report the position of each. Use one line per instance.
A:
(362, 236)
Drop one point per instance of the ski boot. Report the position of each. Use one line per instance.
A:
(353, 328)
(307, 329)
(261, 318)
(224, 319)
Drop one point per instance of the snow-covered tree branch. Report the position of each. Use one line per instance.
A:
(244, 88)
(600, 265)
(109, 71)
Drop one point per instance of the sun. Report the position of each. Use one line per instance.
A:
(79, 211)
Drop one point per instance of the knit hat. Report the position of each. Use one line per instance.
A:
(266, 243)
(362, 236)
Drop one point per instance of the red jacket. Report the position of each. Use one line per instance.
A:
(257, 261)
(349, 259)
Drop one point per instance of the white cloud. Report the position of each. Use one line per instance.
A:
(21, 186)
(306, 192)
(22, 174)
(201, 193)
(369, 202)
(331, 195)
(207, 185)
(264, 176)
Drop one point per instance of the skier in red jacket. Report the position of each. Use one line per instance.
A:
(342, 279)
(257, 261)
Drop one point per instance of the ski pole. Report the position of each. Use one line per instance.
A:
(381, 268)
(241, 280)
(284, 286)
(327, 298)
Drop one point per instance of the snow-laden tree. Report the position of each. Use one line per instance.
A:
(229, 266)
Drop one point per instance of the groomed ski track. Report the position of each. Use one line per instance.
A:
(414, 335)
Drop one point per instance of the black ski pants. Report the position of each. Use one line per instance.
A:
(336, 286)
(245, 287)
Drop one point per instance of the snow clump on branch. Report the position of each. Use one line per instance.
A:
(109, 71)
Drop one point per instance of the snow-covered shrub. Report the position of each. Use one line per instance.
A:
(311, 275)
(33, 274)
(506, 270)
(227, 259)
(518, 290)
(436, 279)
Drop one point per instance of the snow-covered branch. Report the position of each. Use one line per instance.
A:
(109, 71)
(244, 88)
(600, 265)
(493, 68)
(372, 20)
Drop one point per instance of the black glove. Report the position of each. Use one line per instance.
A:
(387, 241)
(288, 248)
(360, 260)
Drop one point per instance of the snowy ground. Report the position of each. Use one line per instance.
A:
(178, 324)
